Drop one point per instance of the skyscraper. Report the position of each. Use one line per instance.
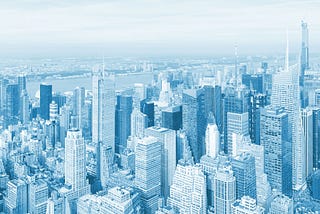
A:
(277, 148)
(148, 172)
(244, 170)
(37, 196)
(24, 107)
(105, 163)
(147, 107)
(45, 100)
(224, 190)
(16, 200)
(139, 122)
(75, 168)
(122, 121)
(304, 62)
(172, 117)
(194, 120)
(12, 104)
(167, 137)
(212, 139)
(236, 123)
(307, 125)
(188, 190)
(213, 103)
(78, 104)
(234, 101)
(285, 93)
(103, 108)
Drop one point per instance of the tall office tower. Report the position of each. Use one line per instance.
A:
(168, 155)
(59, 99)
(78, 104)
(246, 205)
(53, 111)
(3, 94)
(304, 61)
(254, 82)
(183, 150)
(22, 83)
(237, 123)
(147, 107)
(55, 204)
(224, 190)
(234, 101)
(148, 172)
(244, 170)
(75, 168)
(123, 121)
(139, 94)
(45, 100)
(307, 125)
(317, 97)
(139, 122)
(24, 107)
(16, 201)
(257, 101)
(277, 148)
(194, 120)
(103, 108)
(172, 117)
(65, 114)
(37, 196)
(316, 137)
(281, 204)
(213, 103)
(285, 93)
(212, 138)
(106, 164)
(188, 190)
(12, 104)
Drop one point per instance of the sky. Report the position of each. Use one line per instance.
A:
(154, 27)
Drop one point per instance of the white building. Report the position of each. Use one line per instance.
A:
(188, 190)
(246, 205)
(212, 140)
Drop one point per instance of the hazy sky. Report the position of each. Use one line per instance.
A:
(142, 27)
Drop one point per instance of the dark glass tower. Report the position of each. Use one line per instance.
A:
(45, 100)
(172, 118)
(12, 104)
(123, 121)
(147, 107)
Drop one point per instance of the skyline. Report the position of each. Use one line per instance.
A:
(123, 28)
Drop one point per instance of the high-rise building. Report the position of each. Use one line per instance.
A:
(212, 138)
(168, 165)
(22, 83)
(246, 205)
(224, 190)
(257, 101)
(45, 100)
(304, 62)
(286, 94)
(307, 125)
(237, 123)
(172, 117)
(139, 122)
(3, 94)
(16, 200)
(188, 190)
(315, 192)
(12, 104)
(316, 137)
(75, 168)
(148, 172)
(234, 101)
(78, 105)
(24, 107)
(105, 163)
(317, 97)
(103, 108)
(213, 103)
(183, 150)
(147, 107)
(55, 204)
(123, 121)
(37, 196)
(243, 167)
(253, 82)
(277, 148)
(194, 120)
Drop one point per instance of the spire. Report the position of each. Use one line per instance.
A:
(103, 66)
(287, 54)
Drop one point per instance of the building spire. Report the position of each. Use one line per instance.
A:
(287, 53)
